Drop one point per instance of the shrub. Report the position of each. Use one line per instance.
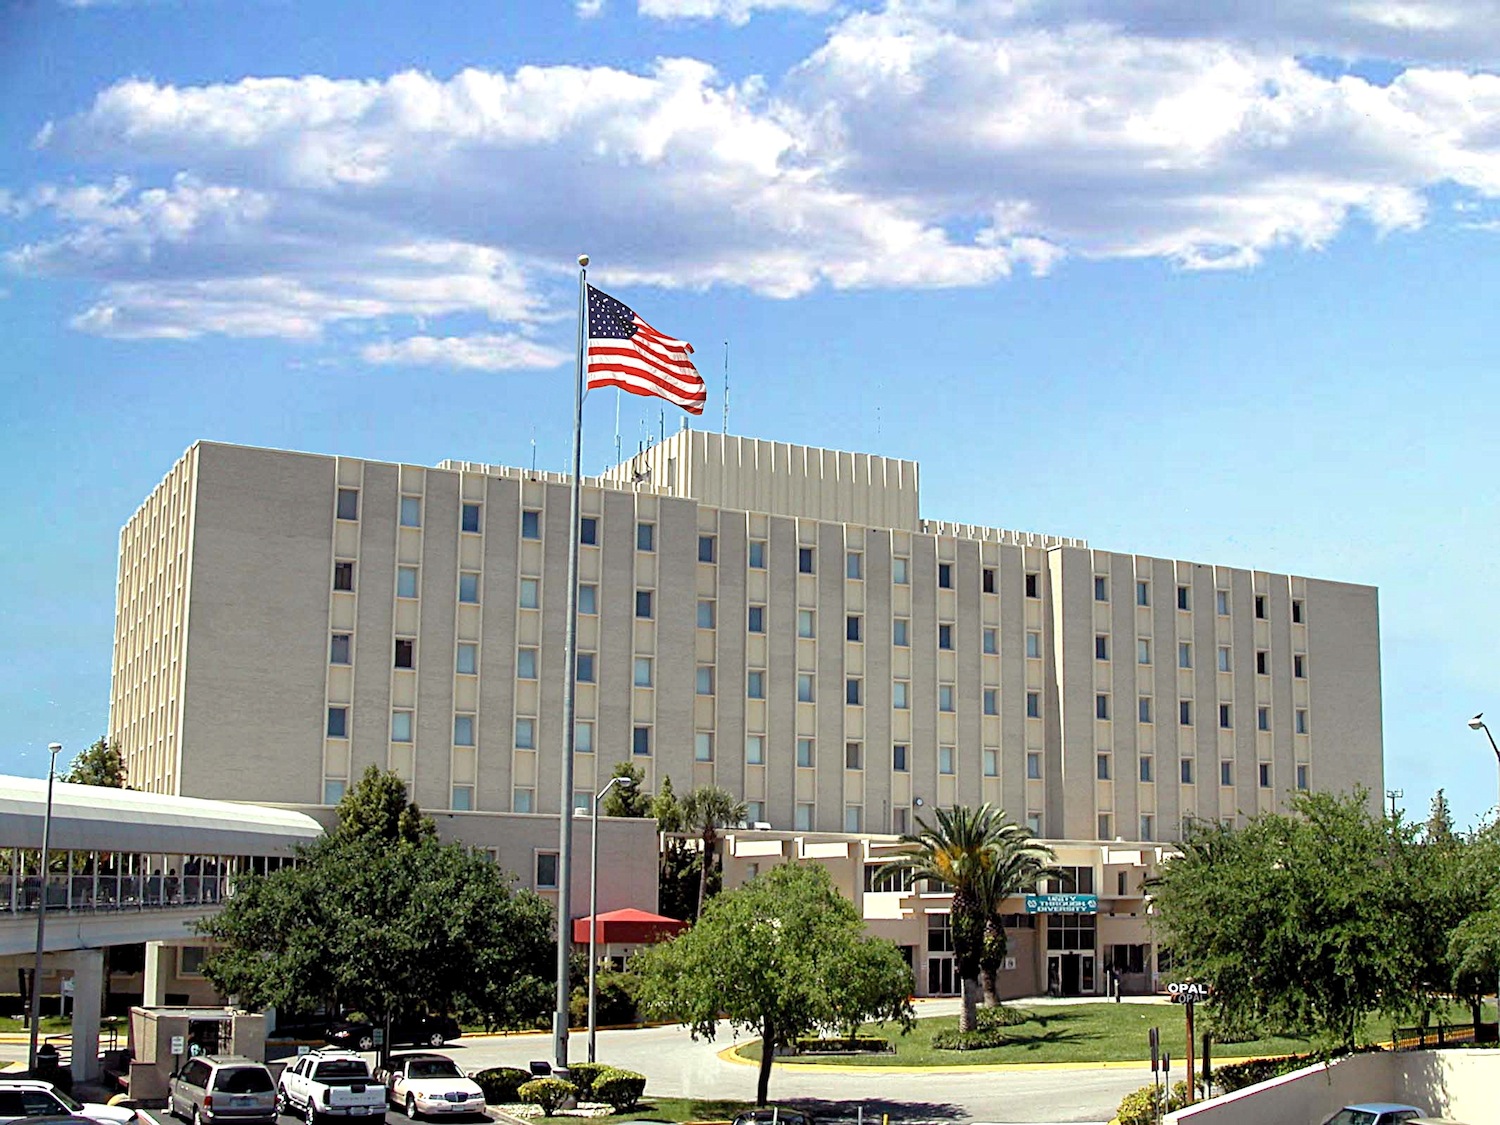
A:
(622, 1089)
(1000, 1016)
(970, 1040)
(583, 1075)
(1142, 1106)
(1236, 1076)
(500, 1084)
(549, 1093)
(614, 1000)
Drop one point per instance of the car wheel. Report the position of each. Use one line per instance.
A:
(435, 1039)
(172, 1109)
(197, 1116)
(311, 1114)
(366, 1042)
(282, 1109)
(411, 1107)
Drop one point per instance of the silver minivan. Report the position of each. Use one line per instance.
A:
(222, 1088)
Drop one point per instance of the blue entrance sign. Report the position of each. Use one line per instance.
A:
(1062, 904)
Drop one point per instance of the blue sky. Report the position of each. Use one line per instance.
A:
(1198, 281)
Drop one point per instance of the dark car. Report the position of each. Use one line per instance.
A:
(423, 1031)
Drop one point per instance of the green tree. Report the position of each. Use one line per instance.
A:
(376, 808)
(704, 811)
(627, 800)
(1439, 821)
(1297, 921)
(959, 852)
(101, 764)
(378, 917)
(1020, 862)
(781, 956)
(1473, 947)
(678, 874)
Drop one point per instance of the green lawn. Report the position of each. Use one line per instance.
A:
(1086, 1032)
(680, 1109)
(51, 1025)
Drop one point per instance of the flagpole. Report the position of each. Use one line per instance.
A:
(570, 658)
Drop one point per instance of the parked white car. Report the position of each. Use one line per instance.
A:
(323, 1085)
(21, 1098)
(422, 1083)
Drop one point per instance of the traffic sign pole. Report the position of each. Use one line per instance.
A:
(1189, 1007)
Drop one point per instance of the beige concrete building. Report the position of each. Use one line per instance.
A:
(776, 619)
(1071, 954)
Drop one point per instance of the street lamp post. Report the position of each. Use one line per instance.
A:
(625, 782)
(41, 911)
(1478, 723)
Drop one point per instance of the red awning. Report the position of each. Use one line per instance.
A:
(627, 927)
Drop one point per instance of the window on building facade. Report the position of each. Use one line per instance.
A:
(854, 818)
(756, 620)
(853, 627)
(705, 614)
(1143, 593)
(1221, 602)
(400, 726)
(1185, 771)
(583, 737)
(802, 816)
(1105, 826)
(805, 687)
(1262, 662)
(1226, 773)
(338, 724)
(643, 605)
(406, 653)
(853, 691)
(1033, 764)
(945, 637)
(546, 871)
(348, 504)
(899, 753)
(643, 669)
(1033, 584)
(945, 760)
(804, 560)
(468, 588)
(640, 741)
(1302, 778)
(1033, 705)
(757, 553)
(1101, 766)
(703, 746)
(1224, 658)
(588, 598)
(1101, 645)
(705, 684)
(461, 798)
(586, 667)
(339, 648)
(525, 734)
(991, 640)
(588, 531)
(1142, 650)
(1185, 712)
(1265, 775)
(755, 684)
(463, 730)
(755, 749)
(343, 576)
(531, 524)
(901, 695)
(1262, 718)
(945, 576)
(1183, 593)
(1299, 666)
(466, 663)
(945, 697)
(1298, 613)
(991, 762)
(1143, 708)
(805, 753)
(1260, 606)
(531, 593)
(707, 549)
(520, 801)
(1148, 826)
(854, 565)
(901, 571)
(901, 632)
(1034, 644)
(987, 580)
(1101, 705)
(1226, 716)
(411, 511)
(526, 664)
(1146, 766)
(1301, 721)
(854, 756)
(991, 701)
(645, 536)
(806, 623)
(1184, 654)
(1101, 588)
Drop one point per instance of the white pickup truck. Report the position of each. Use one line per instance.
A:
(324, 1085)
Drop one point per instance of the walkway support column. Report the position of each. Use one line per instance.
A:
(88, 999)
(154, 988)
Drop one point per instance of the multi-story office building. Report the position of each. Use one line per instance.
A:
(775, 619)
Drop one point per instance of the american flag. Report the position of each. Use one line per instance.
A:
(626, 352)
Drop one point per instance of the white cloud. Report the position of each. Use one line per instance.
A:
(588, 9)
(926, 144)
(475, 353)
(736, 12)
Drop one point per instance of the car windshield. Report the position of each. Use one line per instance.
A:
(244, 1080)
(433, 1068)
(1353, 1117)
(73, 1107)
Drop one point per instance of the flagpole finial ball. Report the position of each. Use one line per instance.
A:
(583, 259)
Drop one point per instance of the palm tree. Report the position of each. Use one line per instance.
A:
(1021, 862)
(959, 853)
(705, 810)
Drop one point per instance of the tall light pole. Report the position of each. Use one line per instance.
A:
(41, 911)
(1477, 723)
(625, 782)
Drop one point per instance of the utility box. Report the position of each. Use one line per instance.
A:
(162, 1039)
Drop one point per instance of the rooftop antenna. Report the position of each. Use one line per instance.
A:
(661, 421)
(726, 387)
(533, 451)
